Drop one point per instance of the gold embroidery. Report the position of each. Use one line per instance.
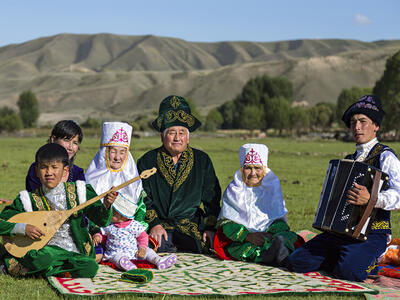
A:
(247, 250)
(185, 166)
(175, 102)
(159, 121)
(181, 115)
(380, 225)
(372, 267)
(374, 155)
(210, 220)
(38, 200)
(70, 189)
(87, 248)
(240, 233)
(150, 215)
(189, 228)
(167, 167)
(167, 226)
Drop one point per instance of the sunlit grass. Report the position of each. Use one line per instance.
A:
(300, 165)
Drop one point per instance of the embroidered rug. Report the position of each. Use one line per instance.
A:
(196, 274)
(384, 294)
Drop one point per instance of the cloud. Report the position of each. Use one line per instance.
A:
(361, 20)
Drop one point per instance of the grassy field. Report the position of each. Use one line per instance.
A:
(300, 165)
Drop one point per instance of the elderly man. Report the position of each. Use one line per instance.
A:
(183, 197)
(252, 221)
(343, 258)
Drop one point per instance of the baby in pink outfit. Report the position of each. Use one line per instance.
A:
(125, 239)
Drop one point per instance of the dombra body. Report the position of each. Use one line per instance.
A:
(50, 221)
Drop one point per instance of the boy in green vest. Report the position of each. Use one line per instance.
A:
(70, 251)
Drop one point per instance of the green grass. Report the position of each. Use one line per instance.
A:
(300, 165)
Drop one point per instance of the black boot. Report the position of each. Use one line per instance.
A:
(276, 254)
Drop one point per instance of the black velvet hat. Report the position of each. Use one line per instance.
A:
(175, 111)
(368, 105)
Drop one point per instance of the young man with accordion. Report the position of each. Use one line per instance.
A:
(339, 255)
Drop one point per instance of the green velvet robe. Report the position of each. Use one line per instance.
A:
(6, 228)
(95, 212)
(241, 249)
(186, 198)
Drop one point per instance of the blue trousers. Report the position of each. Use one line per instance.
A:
(343, 258)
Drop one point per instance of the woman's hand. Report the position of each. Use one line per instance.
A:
(258, 238)
(96, 239)
(109, 199)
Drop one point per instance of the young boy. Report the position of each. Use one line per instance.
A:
(345, 258)
(70, 251)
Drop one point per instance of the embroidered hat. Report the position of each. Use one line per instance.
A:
(368, 105)
(175, 111)
(125, 205)
(253, 154)
(116, 134)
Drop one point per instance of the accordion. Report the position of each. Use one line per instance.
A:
(334, 214)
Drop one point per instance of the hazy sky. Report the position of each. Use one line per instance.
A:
(205, 21)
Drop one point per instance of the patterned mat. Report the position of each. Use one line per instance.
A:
(196, 274)
(384, 294)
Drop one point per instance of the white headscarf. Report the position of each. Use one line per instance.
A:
(254, 207)
(102, 177)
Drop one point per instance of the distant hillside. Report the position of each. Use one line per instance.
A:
(117, 77)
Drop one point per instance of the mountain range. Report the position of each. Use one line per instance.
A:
(117, 77)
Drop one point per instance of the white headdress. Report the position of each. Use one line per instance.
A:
(254, 207)
(253, 154)
(102, 177)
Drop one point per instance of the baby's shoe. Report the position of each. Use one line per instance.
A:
(126, 264)
(166, 262)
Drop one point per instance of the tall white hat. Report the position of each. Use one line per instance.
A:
(116, 134)
(253, 154)
(102, 177)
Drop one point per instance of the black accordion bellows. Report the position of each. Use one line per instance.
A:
(334, 214)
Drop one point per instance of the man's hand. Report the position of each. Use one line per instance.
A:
(258, 238)
(358, 195)
(157, 232)
(109, 199)
(210, 235)
(33, 232)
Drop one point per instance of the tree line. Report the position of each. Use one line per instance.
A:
(28, 114)
(267, 103)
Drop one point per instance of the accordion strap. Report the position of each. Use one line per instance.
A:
(371, 204)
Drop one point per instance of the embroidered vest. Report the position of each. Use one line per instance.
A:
(382, 217)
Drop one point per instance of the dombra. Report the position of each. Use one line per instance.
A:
(334, 214)
(50, 221)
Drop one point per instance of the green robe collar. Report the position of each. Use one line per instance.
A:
(175, 178)
(42, 203)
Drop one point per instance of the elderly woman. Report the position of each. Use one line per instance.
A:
(252, 222)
